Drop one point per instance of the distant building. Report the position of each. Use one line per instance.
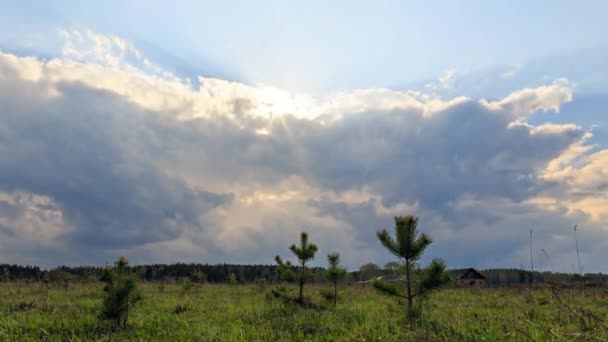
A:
(469, 277)
(391, 278)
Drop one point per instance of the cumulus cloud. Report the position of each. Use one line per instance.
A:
(103, 152)
(524, 102)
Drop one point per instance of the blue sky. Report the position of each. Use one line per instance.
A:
(318, 46)
(217, 131)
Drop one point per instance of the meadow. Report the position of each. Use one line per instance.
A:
(172, 312)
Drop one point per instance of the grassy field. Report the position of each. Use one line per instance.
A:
(246, 313)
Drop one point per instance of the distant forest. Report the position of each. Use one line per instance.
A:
(244, 274)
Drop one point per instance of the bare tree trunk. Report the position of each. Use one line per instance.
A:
(124, 323)
(302, 284)
(335, 292)
(409, 286)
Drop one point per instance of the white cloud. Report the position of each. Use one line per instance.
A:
(585, 177)
(527, 101)
(445, 81)
(31, 217)
(511, 72)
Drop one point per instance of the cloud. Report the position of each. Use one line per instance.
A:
(30, 217)
(104, 153)
(585, 181)
(524, 102)
(445, 81)
(511, 72)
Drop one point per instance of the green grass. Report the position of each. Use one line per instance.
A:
(244, 313)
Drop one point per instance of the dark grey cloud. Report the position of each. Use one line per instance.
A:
(92, 153)
(466, 149)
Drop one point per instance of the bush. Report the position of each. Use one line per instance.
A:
(198, 277)
(178, 309)
(328, 295)
(260, 284)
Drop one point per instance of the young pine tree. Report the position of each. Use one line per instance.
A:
(120, 292)
(187, 285)
(231, 279)
(409, 246)
(335, 272)
(305, 253)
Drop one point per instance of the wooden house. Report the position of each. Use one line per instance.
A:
(469, 277)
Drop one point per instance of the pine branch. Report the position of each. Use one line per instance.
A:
(387, 289)
(389, 243)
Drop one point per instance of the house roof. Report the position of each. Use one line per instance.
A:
(466, 273)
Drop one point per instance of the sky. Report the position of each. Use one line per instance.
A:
(217, 131)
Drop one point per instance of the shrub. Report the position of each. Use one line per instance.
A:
(23, 306)
(178, 309)
(260, 282)
(328, 295)
(285, 270)
(198, 277)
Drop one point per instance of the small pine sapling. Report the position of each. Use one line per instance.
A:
(335, 273)
(232, 279)
(305, 252)
(120, 292)
(187, 285)
(409, 246)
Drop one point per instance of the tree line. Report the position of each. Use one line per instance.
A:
(247, 274)
(205, 273)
